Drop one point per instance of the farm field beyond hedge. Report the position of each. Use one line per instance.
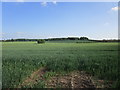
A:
(20, 59)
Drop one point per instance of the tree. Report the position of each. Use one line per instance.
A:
(84, 38)
(73, 38)
(12, 40)
(40, 41)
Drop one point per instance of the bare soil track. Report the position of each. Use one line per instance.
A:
(33, 78)
(75, 79)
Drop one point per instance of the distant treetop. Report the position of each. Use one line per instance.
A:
(84, 38)
(40, 41)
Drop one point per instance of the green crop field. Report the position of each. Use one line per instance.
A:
(20, 59)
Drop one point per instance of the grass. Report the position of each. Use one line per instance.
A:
(20, 59)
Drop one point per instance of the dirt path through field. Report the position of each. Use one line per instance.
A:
(33, 78)
(75, 79)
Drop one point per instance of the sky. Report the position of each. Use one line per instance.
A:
(95, 20)
(60, 0)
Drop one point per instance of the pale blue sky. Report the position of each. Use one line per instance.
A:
(95, 20)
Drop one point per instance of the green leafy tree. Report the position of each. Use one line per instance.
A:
(40, 41)
(84, 38)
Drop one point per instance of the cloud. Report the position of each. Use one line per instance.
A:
(66, 0)
(44, 3)
(115, 8)
(20, 0)
(2, 35)
(20, 33)
(54, 2)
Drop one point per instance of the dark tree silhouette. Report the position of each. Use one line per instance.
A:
(84, 38)
(40, 41)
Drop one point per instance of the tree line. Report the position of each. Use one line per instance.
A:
(57, 39)
(49, 39)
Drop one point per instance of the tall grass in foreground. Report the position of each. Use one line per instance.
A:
(22, 58)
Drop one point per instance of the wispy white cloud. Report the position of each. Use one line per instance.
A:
(18, 35)
(66, 0)
(115, 8)
(54, 2)
(1, 35)
(44, 3)
(20, 0)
